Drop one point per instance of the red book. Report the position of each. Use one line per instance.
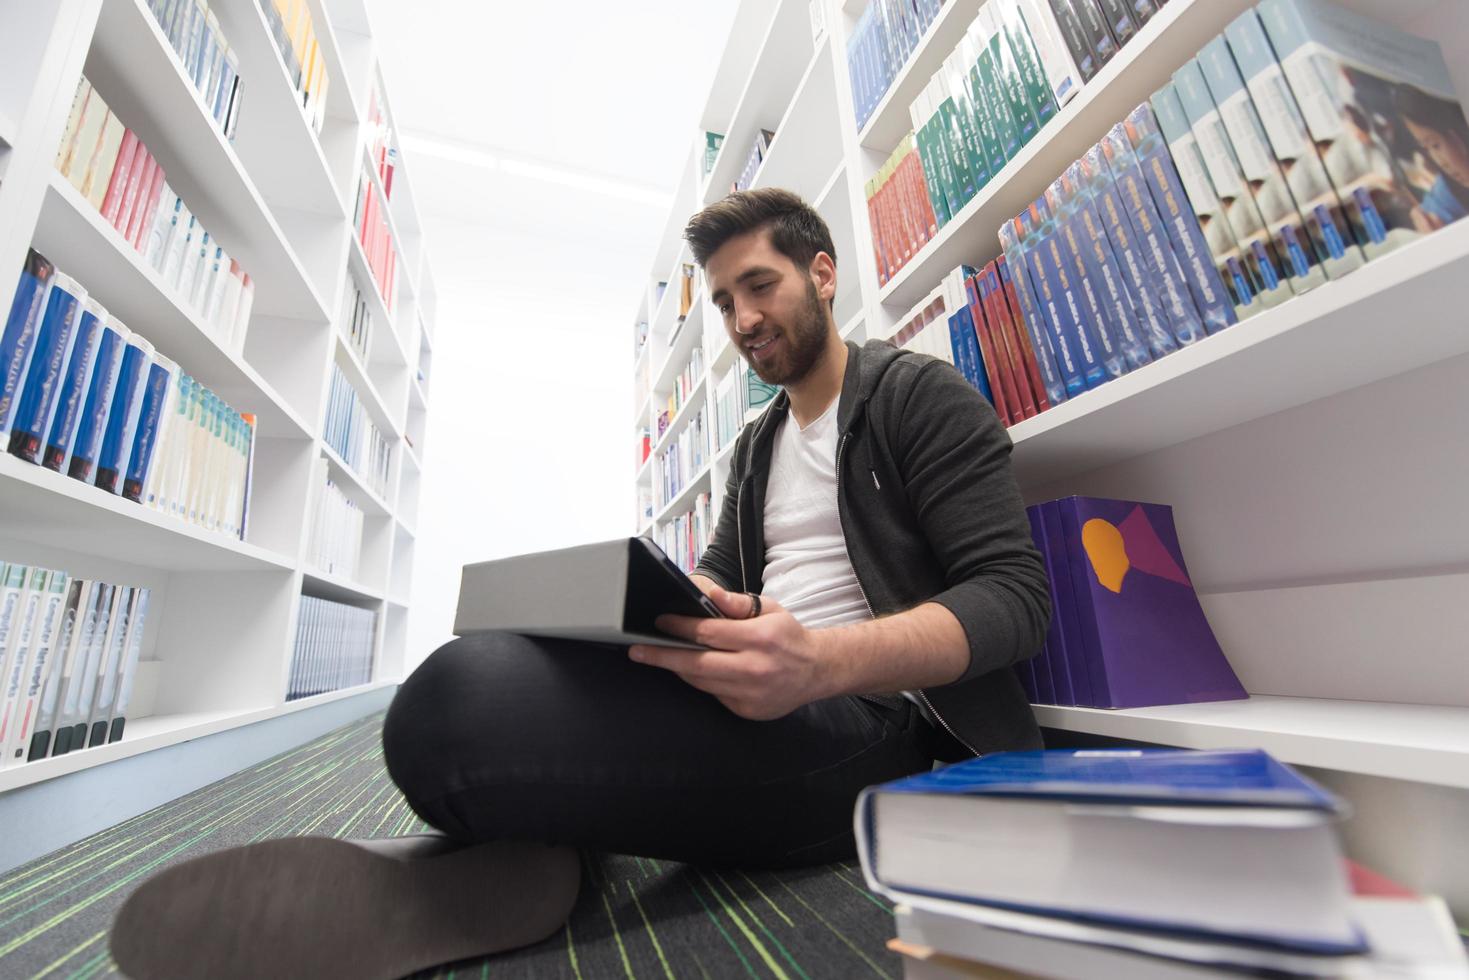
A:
(973, 289)
(876, 228)
(150, 208)
(987, 295)
(912, 172)
(1004, 334)
(890, 251)
(1027, 352)
(136, 200)
(121, 170)
(920, 190)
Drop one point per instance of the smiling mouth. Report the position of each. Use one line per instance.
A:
(763, 348)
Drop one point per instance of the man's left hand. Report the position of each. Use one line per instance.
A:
(760, 668)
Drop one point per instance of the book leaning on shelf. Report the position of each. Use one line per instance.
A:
(111, 167)
(294, 34)
(204, 55)
(69, 649)
(334, 646)
(85, 396)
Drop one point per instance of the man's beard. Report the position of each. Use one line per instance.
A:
(805, 342)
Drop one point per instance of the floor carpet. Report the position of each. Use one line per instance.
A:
(634, 918)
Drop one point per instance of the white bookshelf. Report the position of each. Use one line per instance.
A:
(1315, 455)
(221, 625)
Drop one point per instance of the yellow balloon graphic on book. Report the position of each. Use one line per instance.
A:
(1108, 554)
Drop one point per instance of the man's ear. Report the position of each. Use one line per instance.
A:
(823, 272)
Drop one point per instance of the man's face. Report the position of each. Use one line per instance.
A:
(772, 310)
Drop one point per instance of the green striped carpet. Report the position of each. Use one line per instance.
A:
(635, 917)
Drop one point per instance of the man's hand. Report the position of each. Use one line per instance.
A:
(761, 668)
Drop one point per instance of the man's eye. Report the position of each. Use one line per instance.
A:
(761, 287)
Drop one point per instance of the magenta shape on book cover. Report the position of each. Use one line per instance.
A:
(1146, 638)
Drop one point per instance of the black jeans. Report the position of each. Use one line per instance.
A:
(499, 736)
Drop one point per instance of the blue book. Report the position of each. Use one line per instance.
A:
(1163, 307)
(18, 341)
(1064, 623)
(1063, 300)
(1134, 334)
(1057, 660)
(1152, 161)
(1228, 847)
(122, 417)
(1013, 269)
(54, 339)
(964, 317)
(150, 419)
(1102, 334)
(74, 384)
(93, 420)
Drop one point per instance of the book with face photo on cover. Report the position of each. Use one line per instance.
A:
(608, 592)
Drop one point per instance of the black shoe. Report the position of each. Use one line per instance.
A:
(322, 907)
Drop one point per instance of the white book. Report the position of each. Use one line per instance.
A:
(63, 667)
(77, 701)
(30, 675)
(132, 651)
(105, 686)
(22, 633)
(1060, 68)
(160, 232)
(181, 244)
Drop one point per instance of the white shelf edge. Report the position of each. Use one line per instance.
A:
(379, 506)
(802, 85)
(363, 380)
(1364, 737)
(331, 582)
(152, 732)
(685, 496)
(135, 514)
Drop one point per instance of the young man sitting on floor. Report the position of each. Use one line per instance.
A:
(874, 559)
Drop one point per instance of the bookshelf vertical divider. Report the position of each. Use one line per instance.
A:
(222, 624)
(1313, 454)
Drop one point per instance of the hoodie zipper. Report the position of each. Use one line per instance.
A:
(863, 592)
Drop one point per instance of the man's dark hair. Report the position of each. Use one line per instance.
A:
(796, 230)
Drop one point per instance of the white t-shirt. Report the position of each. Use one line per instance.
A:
(807, 569)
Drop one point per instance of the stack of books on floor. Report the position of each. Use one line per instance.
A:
(1135, 863)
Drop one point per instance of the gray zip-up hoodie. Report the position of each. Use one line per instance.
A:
(930, 513)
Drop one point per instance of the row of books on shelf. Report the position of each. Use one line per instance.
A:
(349, 430)
(205, 56)
(382, 144)
(333, 650)
(371, 223)
(1177, 863)
(356, 322)
(685, 536)
(759, 150)
(334, 535)
(85, 396)
(675, 466)
(1134, 250)
(684, 384)
(69, 650)
(113, 169)
(881, 41)
(1127, 629)
(294, 32)
(712, 143)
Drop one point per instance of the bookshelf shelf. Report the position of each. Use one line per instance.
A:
(355, 486)
(1170, 38)
(678, 354)
(54, 510)
(1426, 743)
(221, 627)
(276, 142)
(725, 452)
(357, 376)
(890, 121)
(684, 499)
(400, 601)
(133, 67)
(337, 587)
(686, 412)
(1275, 356)
(75, 236)
(784, 55)
(808, 139)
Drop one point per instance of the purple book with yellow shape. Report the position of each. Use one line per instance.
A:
(1144, 633)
